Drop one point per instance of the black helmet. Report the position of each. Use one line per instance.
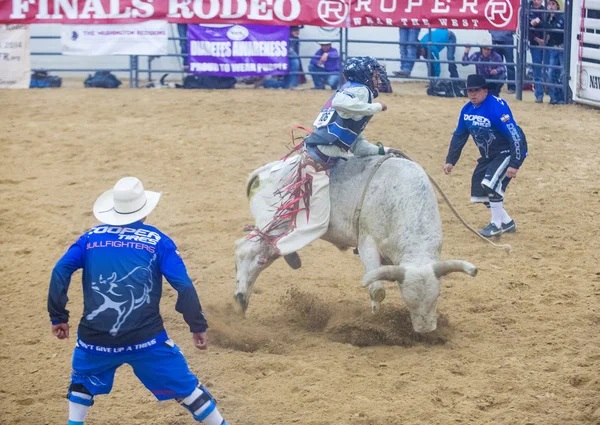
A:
(362, 69)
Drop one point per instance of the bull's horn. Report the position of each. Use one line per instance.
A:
(384, 273)
(442, 268)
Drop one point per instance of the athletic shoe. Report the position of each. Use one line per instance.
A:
(490, 230)
(509, 227)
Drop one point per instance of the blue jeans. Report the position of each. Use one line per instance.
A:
(408, 53)
(289, 80)
(557, 58)
(538, 59)
(451, 53)
(183, 44)
(506, 51)
(332, 79)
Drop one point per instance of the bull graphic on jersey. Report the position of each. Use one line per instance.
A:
(122, 297)
(484, 138)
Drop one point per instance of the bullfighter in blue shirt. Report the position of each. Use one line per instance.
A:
(502, 146)
(123, 261)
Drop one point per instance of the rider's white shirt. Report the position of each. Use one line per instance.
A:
(353, 106)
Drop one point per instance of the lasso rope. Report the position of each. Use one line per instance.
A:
(506, 247)
(401, 154)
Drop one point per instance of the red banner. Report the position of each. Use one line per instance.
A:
(458, 14)
(466, 14)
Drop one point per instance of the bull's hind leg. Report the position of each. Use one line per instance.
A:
(371, 259)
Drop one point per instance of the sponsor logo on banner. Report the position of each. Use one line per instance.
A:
(15, 69)
(481, 14)
(141, 38)
(239, 50)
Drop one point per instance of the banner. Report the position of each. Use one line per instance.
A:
(142, 38)
(451, 14)
(459, 14)
(238, 50)
(15, 69)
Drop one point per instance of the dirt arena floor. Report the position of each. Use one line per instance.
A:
(518, 344)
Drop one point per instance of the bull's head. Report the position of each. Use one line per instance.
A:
(420, 287)
(251, 258)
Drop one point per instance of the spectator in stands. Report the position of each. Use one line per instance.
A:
(183, 45)
(536, 39)
(483, 66)
(289, 80)
(326, 59)
(504, 46)
(432, 51)
(556, 21)
(408, 53)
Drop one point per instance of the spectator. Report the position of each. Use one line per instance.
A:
(183, 45)
(432, 51)
(295, 66)
(537, 20)
(483, 66)
(556, 21)
(326, 59)
(504, 42)
(408, 52)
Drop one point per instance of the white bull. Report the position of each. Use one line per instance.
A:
(399, 227)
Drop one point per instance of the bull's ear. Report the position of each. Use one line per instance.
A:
(442, 268)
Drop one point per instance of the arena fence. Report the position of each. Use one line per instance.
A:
(552, 75)
(585, 52)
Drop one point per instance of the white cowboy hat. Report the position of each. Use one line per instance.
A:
(126, 203)
(324, 42)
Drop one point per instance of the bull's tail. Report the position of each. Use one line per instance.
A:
(391, 273)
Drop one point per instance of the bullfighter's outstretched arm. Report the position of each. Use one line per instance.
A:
(72, 260)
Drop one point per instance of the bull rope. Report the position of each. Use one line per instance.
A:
(401, 154)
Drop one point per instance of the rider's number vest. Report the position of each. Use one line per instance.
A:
(331, 129)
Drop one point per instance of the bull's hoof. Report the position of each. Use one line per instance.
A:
(377, 292)
(375, 307)
(293, 260)
(242, 302)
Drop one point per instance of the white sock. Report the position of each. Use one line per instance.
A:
(505, 217)
(78, 412)
(214, 418)
(497, 210)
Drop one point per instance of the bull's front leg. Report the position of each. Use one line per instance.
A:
(371, 259)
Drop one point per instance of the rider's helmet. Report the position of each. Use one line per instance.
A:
(362, 70)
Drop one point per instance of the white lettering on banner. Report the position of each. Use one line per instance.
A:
(212, 11)
(295, 10)
(412, 3)
(441, 6)
(260, 48)
(499, 12)
(218, 49)
(469, 4)
(360, 4)
(204, 67)
(92, 6)
(143, 8)
(115, 10)
(332, 12)
(241, 9)
(388, 9)
(180, 10)
(69, 8)
(259, 11)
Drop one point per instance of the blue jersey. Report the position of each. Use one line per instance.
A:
(122, 286)
(493, 129)
(331, 129)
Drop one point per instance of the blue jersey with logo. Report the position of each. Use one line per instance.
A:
(493, 129)
(331, 129)
(122, 286)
